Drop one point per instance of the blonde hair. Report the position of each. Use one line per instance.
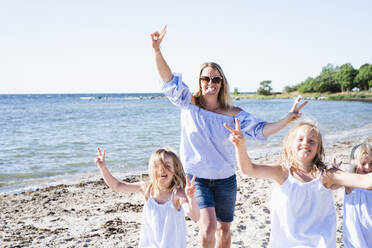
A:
(287, 158)
(224, 97)
(356, 154)
(158, 159)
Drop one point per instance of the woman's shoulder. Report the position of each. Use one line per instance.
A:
(234, 110)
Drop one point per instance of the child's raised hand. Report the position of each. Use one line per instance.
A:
(100, 159)
(295, 114)
(236, 136)
(157, 38)
(190, 187)
(335, 164)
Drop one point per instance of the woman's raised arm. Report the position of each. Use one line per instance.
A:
(164, 71)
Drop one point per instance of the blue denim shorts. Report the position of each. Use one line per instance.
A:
(217, 193)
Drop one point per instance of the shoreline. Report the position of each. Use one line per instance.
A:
(89, 214)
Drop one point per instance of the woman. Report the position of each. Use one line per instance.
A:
(205, 149)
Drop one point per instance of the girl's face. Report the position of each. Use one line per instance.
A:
(305, 145)
(165, 173)
(364, 164)
(210, 81)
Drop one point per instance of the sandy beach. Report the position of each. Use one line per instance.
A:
(89, 214)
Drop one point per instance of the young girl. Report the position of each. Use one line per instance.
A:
(302, 211)
(167, 194)
(357, 221)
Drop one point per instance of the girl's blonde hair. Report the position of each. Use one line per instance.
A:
(356, 154)
(287, 158)
(156, 160)
(224, 97)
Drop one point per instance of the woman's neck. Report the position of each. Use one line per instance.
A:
(211, 103)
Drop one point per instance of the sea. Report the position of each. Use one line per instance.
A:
(51, 139)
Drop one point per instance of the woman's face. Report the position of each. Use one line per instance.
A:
(364, 164)
(210, 81)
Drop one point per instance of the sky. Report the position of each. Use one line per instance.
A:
(75, 46)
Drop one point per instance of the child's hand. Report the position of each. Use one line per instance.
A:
(190, 187)
(100, 160)
(157, 38)
(335, 164)
(236, 136)
(295, 114)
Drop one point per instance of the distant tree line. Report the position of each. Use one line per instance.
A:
(331, 79)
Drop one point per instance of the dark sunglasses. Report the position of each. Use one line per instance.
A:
(215, 80)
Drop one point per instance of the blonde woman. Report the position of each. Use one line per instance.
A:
(205, 150)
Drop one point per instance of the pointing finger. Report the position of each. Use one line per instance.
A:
(104, 155)
(99, 152)
(229, 128)
(187, 180)
(163, 32)
(193, 180)
(298, 99)
(237, 125)
(301, 106)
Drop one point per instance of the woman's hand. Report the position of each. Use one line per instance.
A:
(294, 113)
(157, 38)
(236, 136)
(190, 187)
(100, 159)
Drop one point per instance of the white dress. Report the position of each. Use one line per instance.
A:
(357, 221)
(302, 215)
(162, 225)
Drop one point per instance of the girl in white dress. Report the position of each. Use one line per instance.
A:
(302, 210)
(167, 195)
(357, 221)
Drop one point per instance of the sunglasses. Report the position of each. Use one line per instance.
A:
(215, 80)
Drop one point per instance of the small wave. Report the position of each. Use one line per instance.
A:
(364, 131)
(87, 98)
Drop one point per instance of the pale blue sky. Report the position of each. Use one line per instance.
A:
(104, 46)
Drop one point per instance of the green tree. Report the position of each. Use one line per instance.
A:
(345, 77)
(364, 77)
(236, 91)
(326, 81)
(289, 89)
(265, 88)
(306, 86)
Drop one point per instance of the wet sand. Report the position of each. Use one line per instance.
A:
(91, 215)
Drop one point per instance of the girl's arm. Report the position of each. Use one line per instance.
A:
(349, 180)
(162, 66)
(294, 114)
(244, 162)
(111, 181)
(188, 200)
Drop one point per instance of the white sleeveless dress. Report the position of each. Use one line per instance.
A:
(302, 215)
(162, 225)
(357, 221)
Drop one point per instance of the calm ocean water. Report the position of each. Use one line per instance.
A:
(50, 138)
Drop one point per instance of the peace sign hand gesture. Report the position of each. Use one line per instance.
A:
(236, 136)
(336, 165)
(295, 114)
(190, 187)
(157, 38)
(100, 159)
